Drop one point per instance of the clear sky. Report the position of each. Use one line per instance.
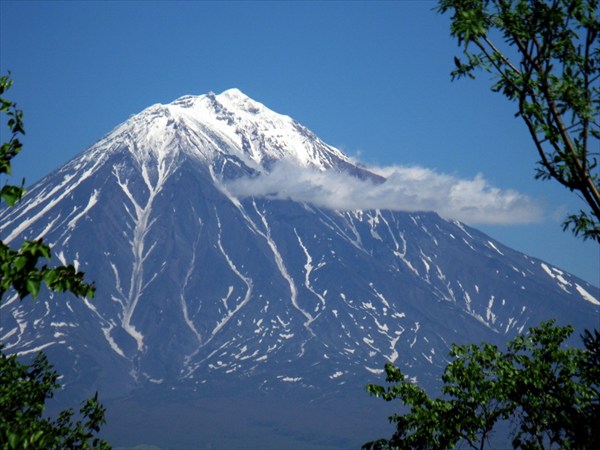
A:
(371, 78)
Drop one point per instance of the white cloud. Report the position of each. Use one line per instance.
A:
(405, 189)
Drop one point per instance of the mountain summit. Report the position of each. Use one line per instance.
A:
(222, 130)
(205, 293)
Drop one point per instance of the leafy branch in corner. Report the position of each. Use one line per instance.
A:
(545, 56)
(550, 394)
(24, 390)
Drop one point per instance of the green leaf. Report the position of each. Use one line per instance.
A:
(11, 194)
(13, 440)
(33, 287)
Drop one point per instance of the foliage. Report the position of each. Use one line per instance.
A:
(19, 268)
(545, 55)
(550, 394)
(23, 391)
(25, 388)
(8, 150)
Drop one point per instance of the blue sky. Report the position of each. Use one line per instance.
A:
(371, 78)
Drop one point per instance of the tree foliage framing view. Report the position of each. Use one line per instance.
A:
(550, 394)
(24, 388)
(545, 56)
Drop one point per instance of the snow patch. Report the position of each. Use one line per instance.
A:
(289, 379)
(586, 295)
(491, 244)
(374, 371)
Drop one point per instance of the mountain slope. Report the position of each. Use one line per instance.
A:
(202, 291)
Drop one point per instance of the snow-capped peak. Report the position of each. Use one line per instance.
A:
(235, 99)
(231, 123)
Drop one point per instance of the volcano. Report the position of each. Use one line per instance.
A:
(216, 307)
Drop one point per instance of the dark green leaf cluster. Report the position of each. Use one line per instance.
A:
(24, 390)
(8, 150)
(551, 395)
(19, 270)
(548, 63)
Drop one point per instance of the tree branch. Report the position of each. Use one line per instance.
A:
(587, 182)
